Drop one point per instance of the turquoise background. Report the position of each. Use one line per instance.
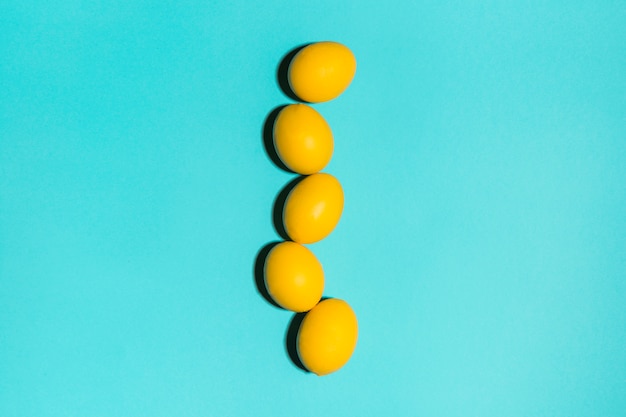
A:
(482, 149)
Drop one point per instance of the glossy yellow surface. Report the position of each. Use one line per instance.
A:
(327, 336)
(313, 208)
(321, 71)
(294, 277)
(303, 139)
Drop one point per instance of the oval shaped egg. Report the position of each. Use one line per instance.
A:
(321, 71)
(327, 336)
(294, 277)
(303, 139)
(313, 208)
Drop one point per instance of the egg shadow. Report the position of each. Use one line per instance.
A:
(259, 273)
(282, 73)
(268, 138)
(279, 206)
(291, 340)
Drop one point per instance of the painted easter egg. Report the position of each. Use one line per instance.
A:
(294, 277)
(303, 139)
(313, 208)
(321, 71)
(327, 336)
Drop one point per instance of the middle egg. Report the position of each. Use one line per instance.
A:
(303, 139)
(313, 208)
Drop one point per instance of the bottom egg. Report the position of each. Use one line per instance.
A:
(327, 336)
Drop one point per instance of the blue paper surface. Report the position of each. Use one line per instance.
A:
(482, 151)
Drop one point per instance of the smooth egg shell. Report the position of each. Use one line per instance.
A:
(327, 336)
(321, 71)
(313, 208)
(303, 139)
(294, 277)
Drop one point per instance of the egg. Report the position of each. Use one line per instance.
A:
(294, 277)
(303, 139)
(327, 336)
(321, 71)
(313, 208)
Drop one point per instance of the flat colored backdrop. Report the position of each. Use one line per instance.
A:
(482, 149)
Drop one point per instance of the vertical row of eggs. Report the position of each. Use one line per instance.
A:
(303, 141)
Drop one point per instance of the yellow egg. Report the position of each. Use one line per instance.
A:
(294, 277)
(303, 139)
(321, 71)
(313, 208)
(327, 336)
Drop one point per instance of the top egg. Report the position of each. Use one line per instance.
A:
(321, 71)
